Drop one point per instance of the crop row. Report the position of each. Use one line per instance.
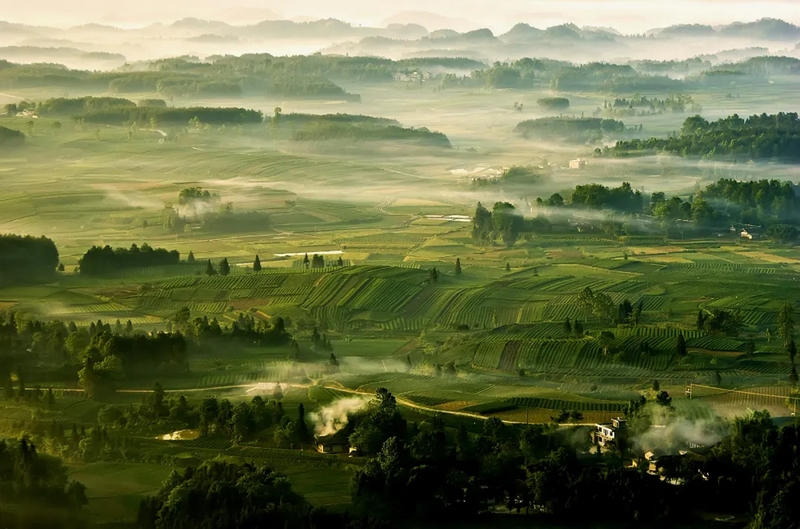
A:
(659, 332)
(716, 343)
(569, 405)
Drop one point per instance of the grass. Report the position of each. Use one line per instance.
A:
(115, 489)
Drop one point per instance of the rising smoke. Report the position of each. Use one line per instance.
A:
(670, 434)
(331, 418)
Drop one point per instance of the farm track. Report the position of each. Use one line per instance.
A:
(251, 387)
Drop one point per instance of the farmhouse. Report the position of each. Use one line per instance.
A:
(578, 163)
(608, 433)
(333, 444)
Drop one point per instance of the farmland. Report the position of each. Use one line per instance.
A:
(371, 273)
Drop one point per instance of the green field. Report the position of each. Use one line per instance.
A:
(488, 342)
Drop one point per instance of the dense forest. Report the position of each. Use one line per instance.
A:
(98, 261)
(26, 259)
(774, 136)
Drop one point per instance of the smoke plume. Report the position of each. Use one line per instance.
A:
(671, 434)
(331, 418)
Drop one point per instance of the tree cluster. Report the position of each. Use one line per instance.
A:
(221, 495)
(110, 358)
(764, 136)
(26, 259)
(99, 261)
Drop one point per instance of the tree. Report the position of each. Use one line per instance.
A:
(701, 320)
(8, 388)
(586, 301)
(408, 366)
(190, 258)
(224, 267)
(458, 267)
(793, 377)
(508, 267)
(482, 224)
(656, 386)
(300, 426)
(663, 399)
(791, 349)
(277, 393)
(786, 322)
(578, 328)
(242, 422)
(750, 347)
(210, 269)
(306, 262)
(606, 339)
(257, 264)
(49, 398)
(603, 306)
(567, 327)
(681, 346)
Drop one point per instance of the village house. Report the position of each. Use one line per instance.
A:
(578, 163)
(609, 433)
(332, 444)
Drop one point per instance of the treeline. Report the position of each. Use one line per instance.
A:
(755, 201)
(10, 138)
(309, 86)
(99, 261)
(644, 106)
(774, 136)
(327, 131)
(172, 116)
(79, 105)
(570, 128)
(246, 329)
(617, 78)
(117, 111)
(768, 204)
(318, 75)
(300, 120)
(26, 259)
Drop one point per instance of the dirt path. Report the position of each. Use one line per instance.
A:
(255, 387)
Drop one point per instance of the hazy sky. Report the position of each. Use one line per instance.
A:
(499, 15)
